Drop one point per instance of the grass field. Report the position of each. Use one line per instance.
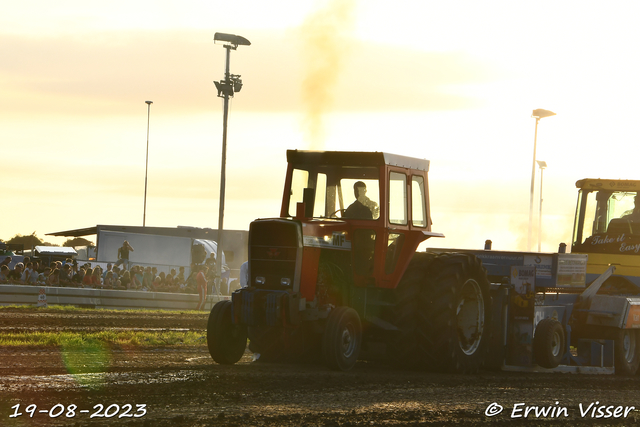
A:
(123, 338)
(162, 335)
(71, 308)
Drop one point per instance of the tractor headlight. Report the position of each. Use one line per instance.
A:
(285, 281)
(260, 280)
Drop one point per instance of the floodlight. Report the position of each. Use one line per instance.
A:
(231, 39)
(541, 114)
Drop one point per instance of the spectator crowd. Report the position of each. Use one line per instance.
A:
(70, 274)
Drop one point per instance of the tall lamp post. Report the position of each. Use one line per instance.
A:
(537, 114)
(146, 169)
(226, 88)
(542, 165)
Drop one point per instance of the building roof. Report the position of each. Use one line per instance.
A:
(55, 250)
(180, 231)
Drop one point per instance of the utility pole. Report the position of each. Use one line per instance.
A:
(226, 88)
(146, 169)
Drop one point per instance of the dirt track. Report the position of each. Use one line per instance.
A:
(184, 387)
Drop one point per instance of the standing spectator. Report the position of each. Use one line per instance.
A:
(123, 254)
(202, 286)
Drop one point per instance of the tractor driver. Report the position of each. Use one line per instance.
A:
(634, 216)
(363, 207)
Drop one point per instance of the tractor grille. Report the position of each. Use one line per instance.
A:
(275, 248)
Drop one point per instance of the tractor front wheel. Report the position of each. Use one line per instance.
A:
(226, 341)
(342, 339)
(626, 352)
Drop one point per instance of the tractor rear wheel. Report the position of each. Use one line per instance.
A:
(226, 341)
(548, 343)
(402, 349)
(626, 350)
(455, 315)
(342, 339)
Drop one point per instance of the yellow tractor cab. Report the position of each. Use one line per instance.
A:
(607, 228)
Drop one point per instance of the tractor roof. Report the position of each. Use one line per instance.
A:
(609, 184)
(355, 158)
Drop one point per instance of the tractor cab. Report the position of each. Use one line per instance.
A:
(373, 205)
(607, 226)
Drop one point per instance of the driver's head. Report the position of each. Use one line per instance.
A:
(359, 188)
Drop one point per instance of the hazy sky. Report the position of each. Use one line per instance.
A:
(454, 82)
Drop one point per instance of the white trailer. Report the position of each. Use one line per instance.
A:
(162, 252)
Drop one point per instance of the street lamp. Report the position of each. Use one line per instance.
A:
(542, 164)
(537, 114)
(226, 88)
(146, 170)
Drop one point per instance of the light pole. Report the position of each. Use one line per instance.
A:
(537, 114)
(226, 88)
(146, 169)
(542, 164)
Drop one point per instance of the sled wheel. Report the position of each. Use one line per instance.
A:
(226, 341)
(548, 343)
(342, 339)
(626, 352)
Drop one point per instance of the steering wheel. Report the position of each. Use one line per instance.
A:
(342, 211)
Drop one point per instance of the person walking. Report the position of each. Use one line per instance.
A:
(202, 286)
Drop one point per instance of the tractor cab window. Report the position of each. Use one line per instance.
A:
(418, 210)
(313, 185)
(336, 191)
(606, 221)
(397, 198)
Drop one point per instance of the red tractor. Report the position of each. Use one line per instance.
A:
(337, 275)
